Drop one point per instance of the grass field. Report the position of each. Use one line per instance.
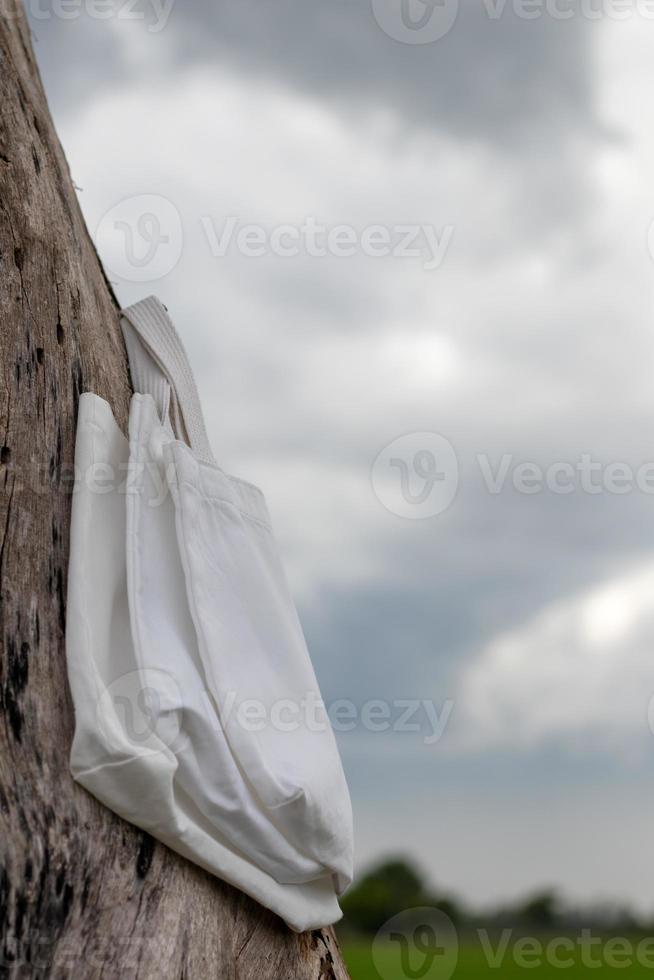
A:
(473, 965)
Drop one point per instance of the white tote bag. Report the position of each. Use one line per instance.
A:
(198, 713)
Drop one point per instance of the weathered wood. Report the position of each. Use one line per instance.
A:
(82, 893)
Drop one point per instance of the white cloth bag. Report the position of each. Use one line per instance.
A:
(198, 713)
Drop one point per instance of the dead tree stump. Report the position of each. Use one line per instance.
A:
(82, 893)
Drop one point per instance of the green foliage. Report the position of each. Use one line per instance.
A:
(388, 889)
(540, 911)
(396, 885)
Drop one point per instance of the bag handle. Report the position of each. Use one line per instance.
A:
(160, 367)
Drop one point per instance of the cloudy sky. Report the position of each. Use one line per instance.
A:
(408, 250)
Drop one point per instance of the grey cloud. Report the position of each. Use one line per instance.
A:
(501, 80)
(89, 50)
(458, 580)
(508, 81)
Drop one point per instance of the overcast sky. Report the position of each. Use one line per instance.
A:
(514, 151)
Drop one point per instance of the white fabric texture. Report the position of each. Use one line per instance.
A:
(198, 714)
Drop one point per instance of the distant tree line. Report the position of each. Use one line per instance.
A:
(396, 884)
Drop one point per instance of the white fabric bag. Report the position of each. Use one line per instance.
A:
(198, 714)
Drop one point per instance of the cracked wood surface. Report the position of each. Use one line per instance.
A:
(82, 893)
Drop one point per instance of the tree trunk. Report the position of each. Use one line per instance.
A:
(82, 893)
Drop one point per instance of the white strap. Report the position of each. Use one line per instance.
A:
(147, 377)
(160, 367)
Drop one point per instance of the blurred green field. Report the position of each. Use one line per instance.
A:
(473, 965)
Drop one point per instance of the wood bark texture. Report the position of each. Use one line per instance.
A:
(82, 893)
